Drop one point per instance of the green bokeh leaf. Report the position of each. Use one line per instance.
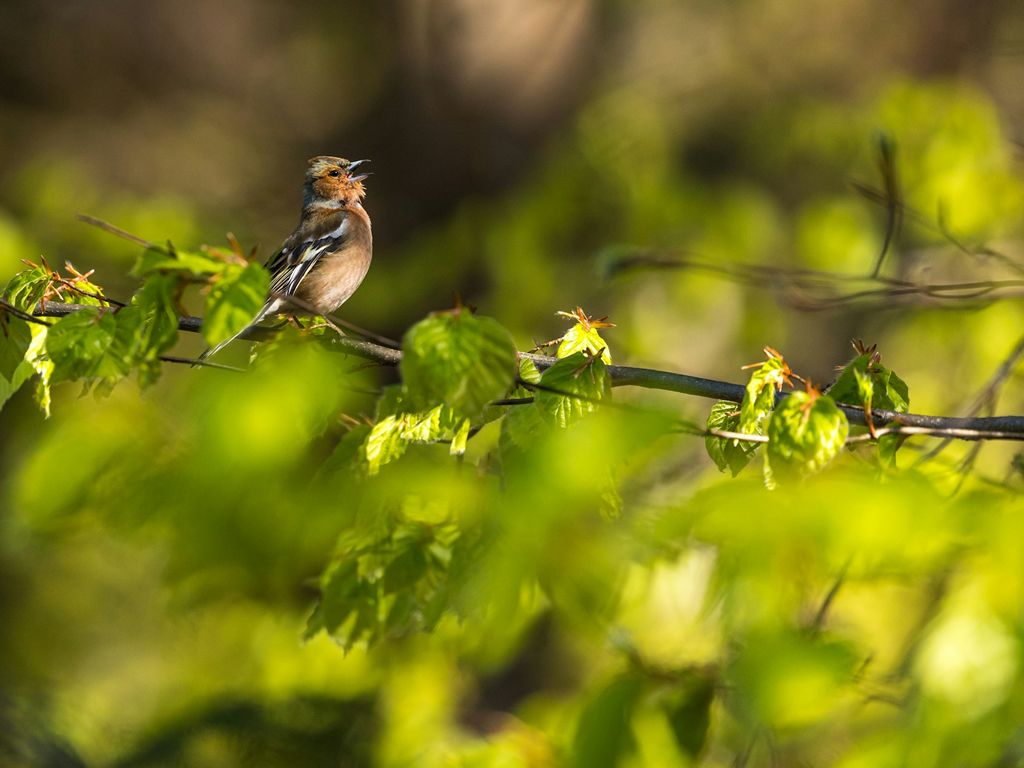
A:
(688, 709)
(603, 734)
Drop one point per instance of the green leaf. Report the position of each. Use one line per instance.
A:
(805, 433)
(169, 259)
(727, 453)
(458, 359)
(580, 338)
(386, 584)
(603, 734)
(572, 388)
(27, 287)
(521, 426)
(156, 302)
(389, 437)
(759, 397)
(77, 345)
(384, 443)
(41, 364)
(460, 438)
(8, 386)
(149, 326)
(234, 300)
(866, 382)
(528, 371)
(688, 709)
(15, 337)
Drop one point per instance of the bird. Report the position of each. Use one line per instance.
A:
(322, 262)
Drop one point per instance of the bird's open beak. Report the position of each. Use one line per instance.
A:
(355, 164)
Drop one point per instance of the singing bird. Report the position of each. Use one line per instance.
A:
(324, 260)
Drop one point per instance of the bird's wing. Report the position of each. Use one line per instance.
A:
(303, 250)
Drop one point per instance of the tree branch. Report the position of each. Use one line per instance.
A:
(967, 428)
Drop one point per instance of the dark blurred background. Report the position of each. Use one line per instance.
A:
(512, 140)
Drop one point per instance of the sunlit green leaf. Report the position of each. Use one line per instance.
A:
(26, 288)
(384, 443)
(805, 433)
(580, 338)
(458, 359)
(759, 397)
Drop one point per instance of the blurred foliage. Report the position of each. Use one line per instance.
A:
(314, 563)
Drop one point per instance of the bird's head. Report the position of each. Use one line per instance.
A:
(334, 179)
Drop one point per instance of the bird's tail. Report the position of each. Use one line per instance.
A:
(211, 351)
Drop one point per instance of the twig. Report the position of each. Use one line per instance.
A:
(987, 396)
(106, 226)
(962, 428)
(796, 284)
(204, 363)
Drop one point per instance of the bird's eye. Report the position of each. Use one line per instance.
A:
(334, 173)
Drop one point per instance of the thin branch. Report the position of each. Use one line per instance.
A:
(813, 290)
(106, 226)
(204, 363)
(986, 398)
(962, 428)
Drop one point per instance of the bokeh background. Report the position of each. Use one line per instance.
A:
(521, 150)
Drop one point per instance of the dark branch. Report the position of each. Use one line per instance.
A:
(967, 428)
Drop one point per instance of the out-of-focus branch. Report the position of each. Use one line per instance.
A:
(968, 428)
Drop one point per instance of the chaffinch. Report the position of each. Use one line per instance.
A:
(324, 260)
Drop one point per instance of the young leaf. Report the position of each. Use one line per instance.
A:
(458, 359)
(571, 388)
(759, 398)
(234, 300)
(727, 453)
(581, 338)
(27, 287)
(805, 433)
(866, 382)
